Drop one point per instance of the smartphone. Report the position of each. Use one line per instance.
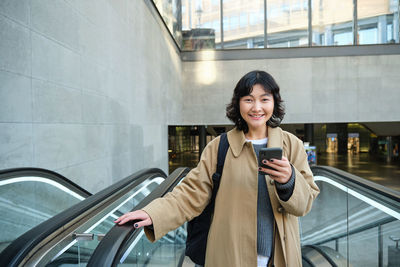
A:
(269, 153)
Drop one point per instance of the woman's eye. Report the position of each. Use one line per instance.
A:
(248, 100)
(265, 99)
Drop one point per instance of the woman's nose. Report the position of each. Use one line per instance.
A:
(257, 105)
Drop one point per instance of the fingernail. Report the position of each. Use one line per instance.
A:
(136, 225)
(264, 161)
(259, 169)
(271, 160)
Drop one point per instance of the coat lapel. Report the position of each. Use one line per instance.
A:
(236, 141)
(275, 137)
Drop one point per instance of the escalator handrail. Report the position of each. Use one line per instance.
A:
(22, 247)
(365, 187)
(7, 174)
(114, 243)
(323, 254)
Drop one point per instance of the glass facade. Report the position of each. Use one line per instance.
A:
(201, 26)
(237, 24)
(171, 13)
(378, 21)
(243, 24)
(332, 22)
(287, 23)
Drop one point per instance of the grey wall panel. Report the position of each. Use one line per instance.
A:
(15, 47)
(15, 88)
(18, 11)
(315, 90)
(16, 147)
(87, 88)
(55, 103)
(52, 61)
(60, 24)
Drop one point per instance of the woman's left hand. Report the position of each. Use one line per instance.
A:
(282, 172)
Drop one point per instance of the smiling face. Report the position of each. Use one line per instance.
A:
(257, 108)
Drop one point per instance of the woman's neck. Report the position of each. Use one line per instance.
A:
(256, 134)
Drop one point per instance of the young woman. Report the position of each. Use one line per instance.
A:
(256, 209)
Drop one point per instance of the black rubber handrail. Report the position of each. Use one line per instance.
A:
(324, 254)
(6, 174)
(117, 240)
(379, 193)
(22, 247)
(307, 260)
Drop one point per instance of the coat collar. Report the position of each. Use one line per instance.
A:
(237, 140)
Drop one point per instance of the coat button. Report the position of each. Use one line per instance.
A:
(281, 209)
(271, 182)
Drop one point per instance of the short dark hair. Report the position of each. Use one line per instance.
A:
(244, 87)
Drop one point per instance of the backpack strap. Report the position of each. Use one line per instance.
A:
(222, 150)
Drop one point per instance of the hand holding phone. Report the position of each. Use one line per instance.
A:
(269, 153)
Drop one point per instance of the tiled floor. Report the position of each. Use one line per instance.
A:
(362, 165)
(366, 166)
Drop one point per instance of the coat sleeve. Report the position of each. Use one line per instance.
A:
(187, 200)
(305, 190)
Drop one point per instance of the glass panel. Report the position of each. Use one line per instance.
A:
(332, 22)
(35, 198)
(170, 11)
(243, 24)
(378, 21)
(168, 251)
(200, 24)
(74, 252)
(391, 248)
(326, 224)
(287, 23)
(365, 231)
(366, 222)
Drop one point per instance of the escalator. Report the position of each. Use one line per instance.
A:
(353, 222)
(30, 196)
(77, 230)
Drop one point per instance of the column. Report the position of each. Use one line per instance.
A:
(382, 30)
(389, 156)
(202, 139)
(309, 133)
(342, 138)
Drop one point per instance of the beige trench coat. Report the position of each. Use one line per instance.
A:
(232, 239)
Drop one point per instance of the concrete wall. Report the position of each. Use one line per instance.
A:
(86, 88)
(315, 90)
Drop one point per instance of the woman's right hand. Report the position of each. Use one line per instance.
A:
(142, 218)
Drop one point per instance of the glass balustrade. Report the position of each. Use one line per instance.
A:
(76, 249)
(27, 201)
(168, 251)
(359, 228)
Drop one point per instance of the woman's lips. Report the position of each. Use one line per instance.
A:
(256, 117)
